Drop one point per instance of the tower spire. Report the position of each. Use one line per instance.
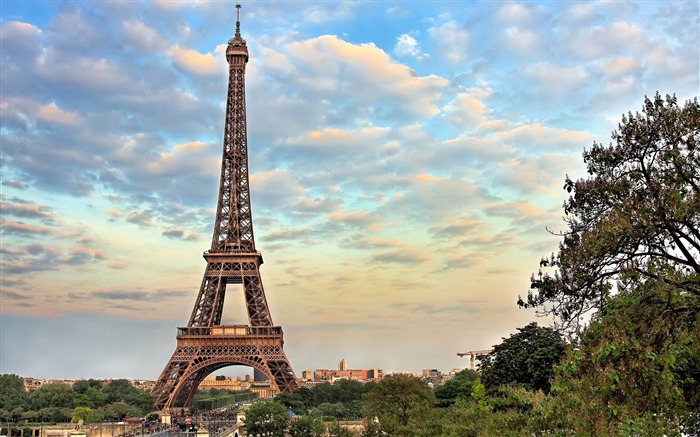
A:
(238, 21)
(237, 45)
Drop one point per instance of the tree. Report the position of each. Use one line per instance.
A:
(17, 413)
(12, 393)
(459, 387)
(91, 398)
(401, 403)
(636, 368)
(30, 416)
(118, 410)
(306, 426)
(266, 417)
(637, 213)
(84, 385)
(82, 413)
(525, 359)
(120, 390)
(52, 395)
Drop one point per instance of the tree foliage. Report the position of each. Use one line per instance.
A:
(340, 400)
(459, 387)
(525, 359)
(52, 395)
(636, 368)
(637, 212)
(266, 417)
(401, 404)
(55, 402)
(82, 386)
(306, 426)
(84, 414)
(12, 392)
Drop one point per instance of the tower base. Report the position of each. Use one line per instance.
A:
(203, 350)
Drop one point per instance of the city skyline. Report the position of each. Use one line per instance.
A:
(406, 161)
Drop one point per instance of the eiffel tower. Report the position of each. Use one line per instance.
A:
(204, 345)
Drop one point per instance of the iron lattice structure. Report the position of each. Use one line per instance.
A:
(205, 345)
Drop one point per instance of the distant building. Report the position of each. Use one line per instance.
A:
(343, 364)
(262, 388)
(431, 373)
(307, 375)
(221, 382)
(357, 375)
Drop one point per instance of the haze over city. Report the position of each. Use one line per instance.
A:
(406, 161)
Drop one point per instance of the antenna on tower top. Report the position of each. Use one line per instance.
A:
(238, 20)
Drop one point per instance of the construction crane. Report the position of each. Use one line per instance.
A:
(473, 354)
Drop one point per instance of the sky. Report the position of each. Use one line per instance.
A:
(406, 163)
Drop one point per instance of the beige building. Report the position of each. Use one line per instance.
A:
(221, 382)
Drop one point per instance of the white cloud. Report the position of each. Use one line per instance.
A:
(465, 111)
(522, 42)
(140, 35)
(535, 175)
(622, 67)
(519, 13)
(554, 81)
(334, 140)
(195, 62)
(535, 137)
(406, 45)
(52, 113)
(452, 41)
(361, 76)
(20, 39)
(190, 158)
(620, 38)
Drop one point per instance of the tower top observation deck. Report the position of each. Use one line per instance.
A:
(237, 45)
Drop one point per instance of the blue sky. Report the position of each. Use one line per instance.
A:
(406, 158)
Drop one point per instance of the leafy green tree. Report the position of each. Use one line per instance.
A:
(638, 212)
(119, 390)
(12, 393)
(17, 413)
(292, 401)
(55, 414)
(119, 410)
(459, 387)
(91, 398)
(331, 411)
(52, 395)
(306, 426)
(401, 403)
(82, 413)
(509, 417)
(525, 359)
(636, 368)
(83, 385)
(30, 416)
(266, 417)
(348, 390)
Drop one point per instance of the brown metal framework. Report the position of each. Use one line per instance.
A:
(205, 345)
